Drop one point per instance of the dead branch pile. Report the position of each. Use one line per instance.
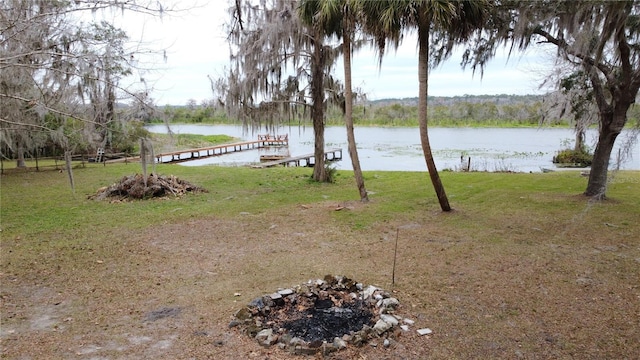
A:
(134, 187)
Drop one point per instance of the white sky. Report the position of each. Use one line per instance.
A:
(196, 48)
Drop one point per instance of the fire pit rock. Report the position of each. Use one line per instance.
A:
(323, 315)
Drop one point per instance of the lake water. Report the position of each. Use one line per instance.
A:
(399, 149)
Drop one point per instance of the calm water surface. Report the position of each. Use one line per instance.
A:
(399, 149)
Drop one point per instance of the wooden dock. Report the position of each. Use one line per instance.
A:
(301, 160)
(193, 154)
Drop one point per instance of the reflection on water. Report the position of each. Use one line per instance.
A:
(399, 149)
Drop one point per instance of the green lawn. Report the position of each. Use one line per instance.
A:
(43, 202)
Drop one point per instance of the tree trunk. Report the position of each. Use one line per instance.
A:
(20, 155)
(611, 124)
(317, 108)
(622, 84)
(579, 144)
(348, 112)
(423, 78)
(111, 101)
(67, 162)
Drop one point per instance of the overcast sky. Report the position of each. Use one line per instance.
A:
(196, 48)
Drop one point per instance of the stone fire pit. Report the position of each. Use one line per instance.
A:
(323, 315)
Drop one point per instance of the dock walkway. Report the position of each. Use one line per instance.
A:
(307, 160)
(193, 154)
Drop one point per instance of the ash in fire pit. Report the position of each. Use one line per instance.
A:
(322, 323)
(321, 315)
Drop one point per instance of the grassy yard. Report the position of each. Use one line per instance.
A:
(524, 267)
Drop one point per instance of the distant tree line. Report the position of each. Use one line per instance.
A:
(470, 110)
(458, 111)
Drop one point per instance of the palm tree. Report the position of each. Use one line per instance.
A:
(428, 13)
(454, 20)
(348, 29)
(337, 17)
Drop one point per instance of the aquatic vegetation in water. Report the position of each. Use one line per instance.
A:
(580, 158)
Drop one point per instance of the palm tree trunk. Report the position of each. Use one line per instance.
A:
(423, 78)
(317, 108)
(348, 114)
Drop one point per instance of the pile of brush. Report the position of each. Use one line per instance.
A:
(139, 186)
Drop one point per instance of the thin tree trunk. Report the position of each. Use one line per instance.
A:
(143, 160)
(108, 118)
(67, 162)
(348, 113)
(152, 158)
(423, 78)
(317, 108)
(579, 144)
